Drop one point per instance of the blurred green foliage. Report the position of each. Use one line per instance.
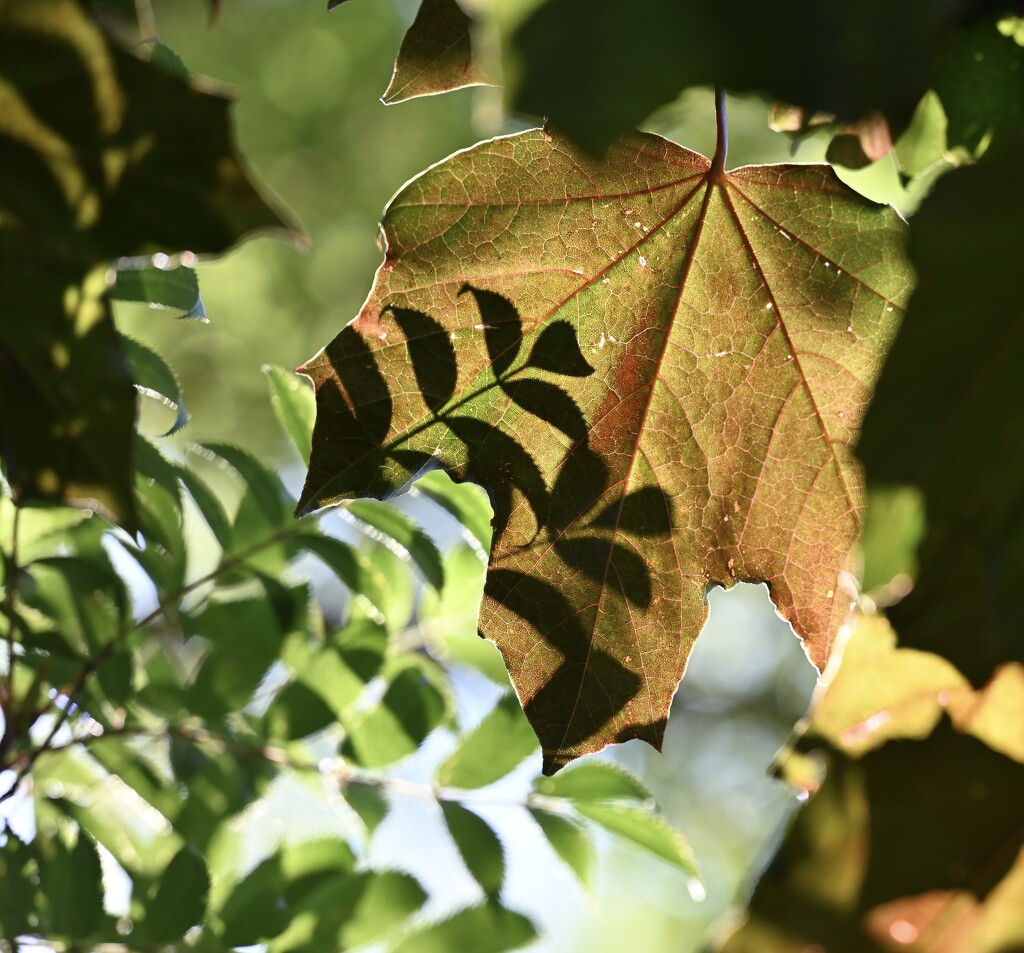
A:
(313, 131)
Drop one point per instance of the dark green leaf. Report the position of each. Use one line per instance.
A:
(245, 639)
(575, 61)
(493, 748)
(262, 482)
(981, 84)
(72, 883)
(176, 289)
(84, 597)
(488, 928)
(353, 568)
(394, 728)
(104, 156)
(209, 505)
(368, 802)
(19, 898)
(179, 900)
(298, 711)
(479, 846)
(255, 909)
(940, 421)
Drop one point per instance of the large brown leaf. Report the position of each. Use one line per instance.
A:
(655, 369)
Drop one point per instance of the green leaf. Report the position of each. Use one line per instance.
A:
(394, 728)
(923, 144)
(488, 928)
(73, 886)
(981, 84)
(179, 900)
(864, 855)
(940, 422)
(436, 54)
(493, 748)
(479, 846)
(104, 156)
(20, 897)
(398, 527)
(132, 829)
(245, 640)
(645, 829)
(468, 504)
(298, 711)
(176, 289)
(353, 568)
(659, 401)
(594, 781)
(589, 86)
(295, 406)
(255, 909)
(569, 840)
(368, 802)
(209, 505)
(83, 596)
(894, 523)
(386, 901)
(265, 486)
(334, 907)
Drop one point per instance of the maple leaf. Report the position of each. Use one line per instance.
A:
(655, 368)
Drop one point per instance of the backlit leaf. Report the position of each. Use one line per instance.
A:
(176, 289)
(488, 928)
(294, 405)
(154, 378)
(658, 399)
(479, 846)
(493, 748)
(394, 728)
(645, 829)
(396, 526)
(179, 900)
(594, 781)
(569, 840)
(436, 54)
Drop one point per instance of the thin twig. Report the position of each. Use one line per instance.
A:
(717, 171)
(71, 696)
(11, 585)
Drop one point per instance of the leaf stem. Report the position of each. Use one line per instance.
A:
(717, 172)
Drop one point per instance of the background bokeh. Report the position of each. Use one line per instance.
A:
(311, 128)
